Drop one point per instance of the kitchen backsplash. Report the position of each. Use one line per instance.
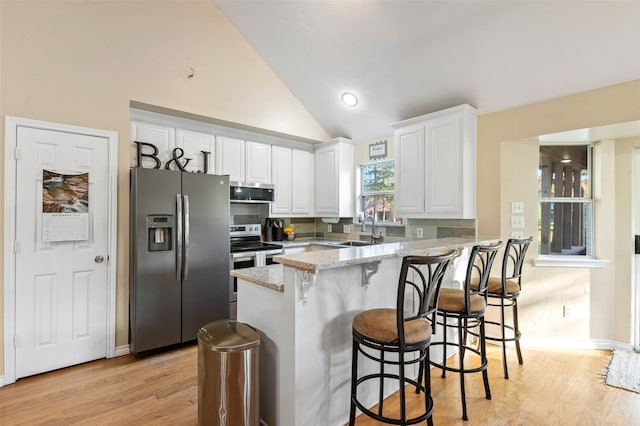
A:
(346, 229)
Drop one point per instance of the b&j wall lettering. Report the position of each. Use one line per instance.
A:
(177, 162)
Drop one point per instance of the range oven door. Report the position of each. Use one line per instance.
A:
(246, 260)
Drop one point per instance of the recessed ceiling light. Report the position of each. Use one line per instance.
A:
(565, 160)
(349, 99)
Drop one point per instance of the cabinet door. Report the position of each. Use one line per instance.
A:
(198, 148)
(301, 182)
(162, 137)
(230, 158)
(258, 167)
(326, 172)
(443, 166)
(281, 168)
(410, 177)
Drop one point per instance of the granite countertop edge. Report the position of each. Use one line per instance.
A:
(272, 276)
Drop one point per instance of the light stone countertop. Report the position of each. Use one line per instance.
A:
(271, 276)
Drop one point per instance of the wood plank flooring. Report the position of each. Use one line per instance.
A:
(553, 387)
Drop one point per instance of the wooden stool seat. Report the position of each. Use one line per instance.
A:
(380, 325)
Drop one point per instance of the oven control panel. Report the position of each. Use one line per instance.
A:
(253, 229)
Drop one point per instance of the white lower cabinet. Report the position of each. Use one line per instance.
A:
(435, 164)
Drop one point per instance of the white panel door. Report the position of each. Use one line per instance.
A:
(61, 287)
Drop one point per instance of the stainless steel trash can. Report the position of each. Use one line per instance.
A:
(228, 363)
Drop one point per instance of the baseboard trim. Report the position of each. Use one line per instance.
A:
(1, 381)
(122, 350)
(560, 343)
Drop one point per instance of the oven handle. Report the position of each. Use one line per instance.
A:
(241, 259)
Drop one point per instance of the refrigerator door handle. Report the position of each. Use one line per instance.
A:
(179, 237)
(186, 238)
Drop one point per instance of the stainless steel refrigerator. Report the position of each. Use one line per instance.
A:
(179, 255)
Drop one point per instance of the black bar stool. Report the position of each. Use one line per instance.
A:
(466, 307)
(503, 292)
(404, 331)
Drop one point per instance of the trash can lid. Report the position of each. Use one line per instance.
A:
(228, 336)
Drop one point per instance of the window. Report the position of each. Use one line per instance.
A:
(565, 215)
(377, 190)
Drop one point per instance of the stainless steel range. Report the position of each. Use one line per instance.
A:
(247, 251)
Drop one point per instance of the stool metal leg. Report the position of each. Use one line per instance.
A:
(516, 329)
(354, 378)
(461, 342)
(444, 345)
(485, 373)
(426, 366)
(504, 341)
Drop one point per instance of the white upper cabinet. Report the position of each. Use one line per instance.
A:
(258, 162)
(177, 148)
(302, 178)
(198, 148)
(246, 162)
(230, 158)
(334, 178)
(435, 164)
(281, 176)
(292, 173)
(161, 137)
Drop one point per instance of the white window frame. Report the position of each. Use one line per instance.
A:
(362, 194)
(588, 259)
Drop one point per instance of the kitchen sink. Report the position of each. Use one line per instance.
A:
(353, 243)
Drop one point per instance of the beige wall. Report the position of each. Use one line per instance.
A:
(81, 63)
(601, 299)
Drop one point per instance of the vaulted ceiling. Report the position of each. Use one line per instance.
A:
(407, 58)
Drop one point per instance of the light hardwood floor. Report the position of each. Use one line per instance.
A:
(553, 387)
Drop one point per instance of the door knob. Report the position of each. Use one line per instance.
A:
(99, 259)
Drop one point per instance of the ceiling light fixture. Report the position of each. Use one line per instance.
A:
(565, 160)
(349, 99)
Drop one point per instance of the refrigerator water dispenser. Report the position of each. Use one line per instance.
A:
(159, 231)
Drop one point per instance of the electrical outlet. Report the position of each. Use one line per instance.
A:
(517, 221)
(329, 228)
(517, 207)
(419, 232)
(346, 229)
(567, 311)
(517, 234)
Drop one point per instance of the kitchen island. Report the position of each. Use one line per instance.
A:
(303, 307)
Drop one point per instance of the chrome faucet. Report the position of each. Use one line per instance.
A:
(374, 238)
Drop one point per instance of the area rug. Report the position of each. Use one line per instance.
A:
(624, 371)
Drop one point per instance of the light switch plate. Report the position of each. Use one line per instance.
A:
(517, 207)
(419, 233)
(517, 234)
(517, 221)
